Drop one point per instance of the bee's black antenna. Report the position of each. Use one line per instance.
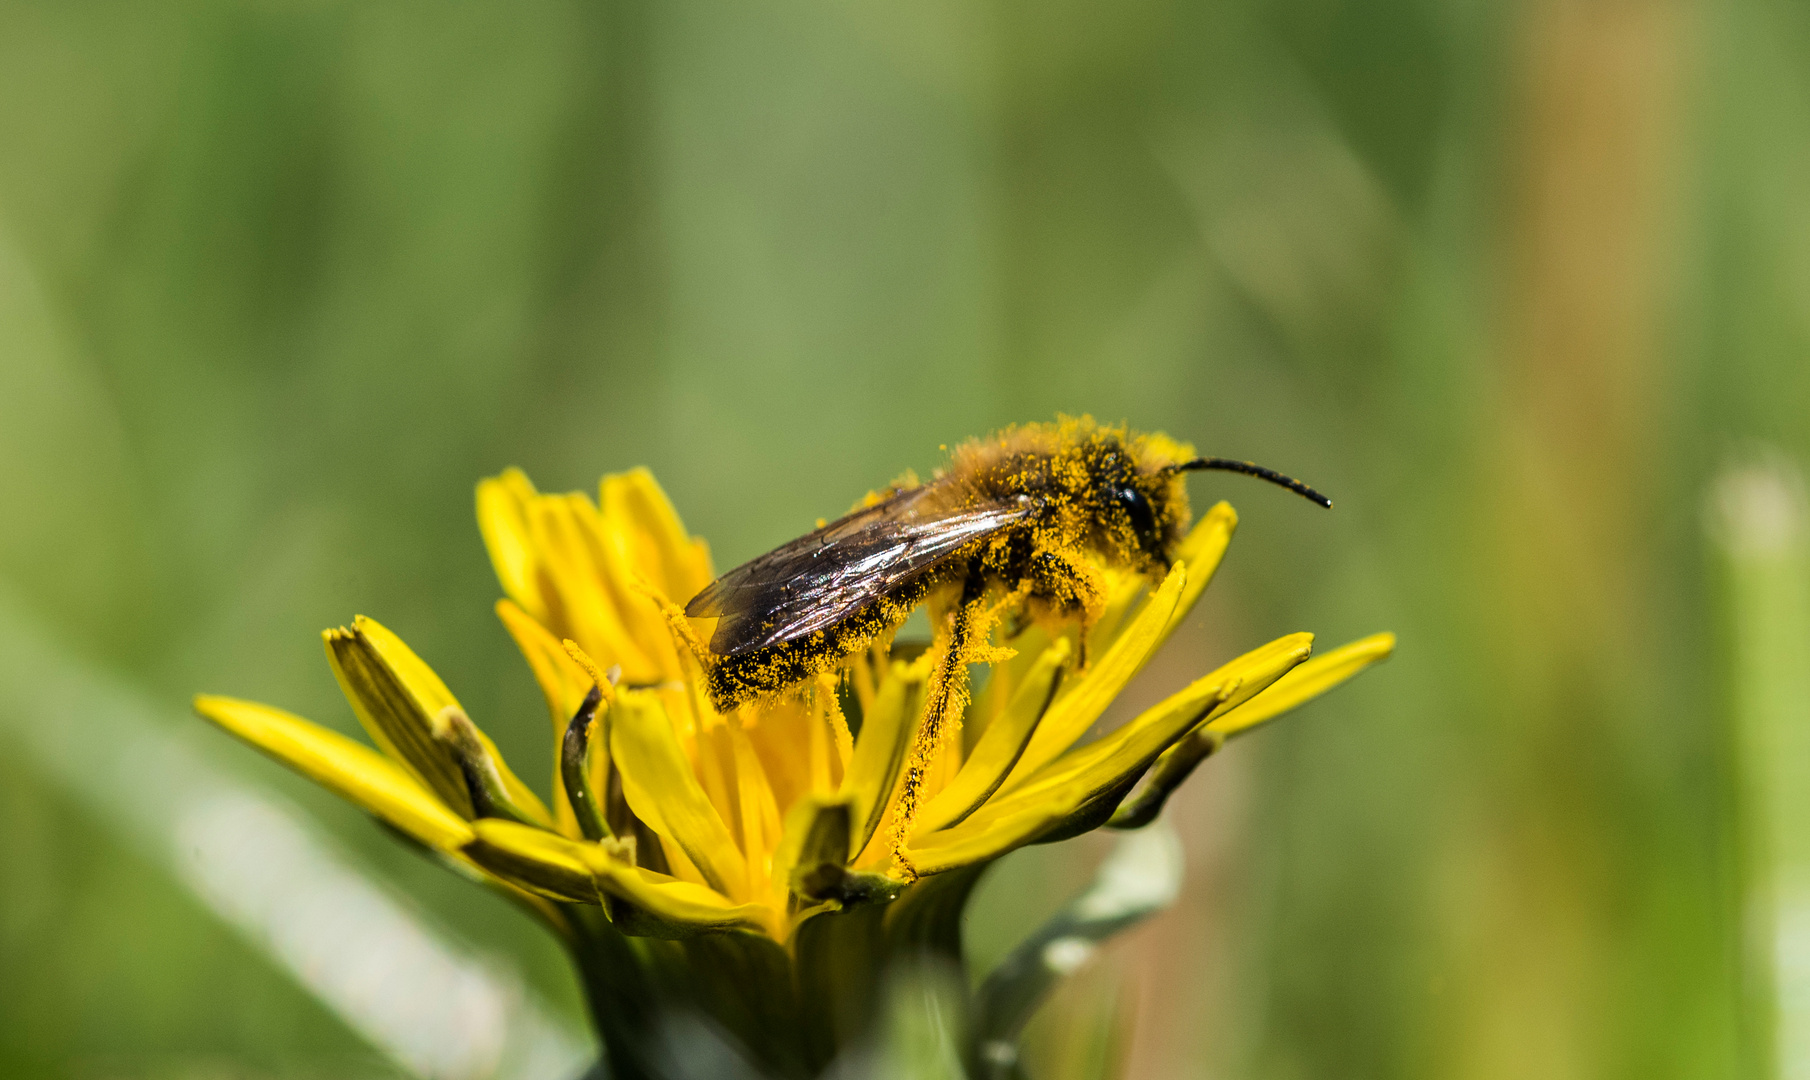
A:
(1252, 469)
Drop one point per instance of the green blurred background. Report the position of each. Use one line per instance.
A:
(280, 280)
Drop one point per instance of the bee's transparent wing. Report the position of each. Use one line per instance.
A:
(820, 579)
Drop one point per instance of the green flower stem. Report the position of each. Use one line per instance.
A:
(1758, 522)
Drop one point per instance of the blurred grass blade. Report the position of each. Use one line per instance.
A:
(432, 1007)
(1757, 520)
(1142, 876)
(920, 1035)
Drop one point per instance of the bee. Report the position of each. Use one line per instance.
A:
(1025, 520)
(1034, 512)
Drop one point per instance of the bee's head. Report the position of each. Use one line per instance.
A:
(1130, 491)
(1146, 501)
(1145, 508)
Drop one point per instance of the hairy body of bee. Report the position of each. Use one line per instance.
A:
(1061, 503)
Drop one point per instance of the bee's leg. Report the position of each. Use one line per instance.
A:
(1074, 588)
(942, 711)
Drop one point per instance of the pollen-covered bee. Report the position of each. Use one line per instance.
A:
(1030, 515)
(1034, 513)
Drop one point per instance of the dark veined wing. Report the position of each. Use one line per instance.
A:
(822, 578)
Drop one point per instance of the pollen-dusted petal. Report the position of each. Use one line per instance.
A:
(1086, 697)
(1083, 776)
(657, 544)
(534, 859)
(1008, 821)
(503, 503)
(396, 696)
(353, 771)
(880, 750)
(1305, 683)
(1002, 745)
(663, 791)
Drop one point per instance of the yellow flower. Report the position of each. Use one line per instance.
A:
(777, 812)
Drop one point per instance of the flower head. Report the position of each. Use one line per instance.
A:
(668, 818)
(777, 811)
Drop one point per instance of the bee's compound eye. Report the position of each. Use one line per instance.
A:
(1143, 519)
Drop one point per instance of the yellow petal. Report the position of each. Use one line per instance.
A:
(395, 695)
(712, 762)
(1172, 769)
(1088, 694)
(658, 547)
(1004, 677)
(503, 503)
(575, 870)
(1002, 745)
(351, 770)
(533, 859)
(1202, 550)
(880, 750)
(1305, 683)
(396, 721)
(817, 834)
(431, 693)
(562, 682)
(1110, 757)
(552, 556)
(966, 844)
(1079, 778)
(564, 685)
(793, 739)
(1312, 678)
(663, 791)
(757, 811)
(1007, 822)
(592, 601)
(681, 902)
(1123, 590)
